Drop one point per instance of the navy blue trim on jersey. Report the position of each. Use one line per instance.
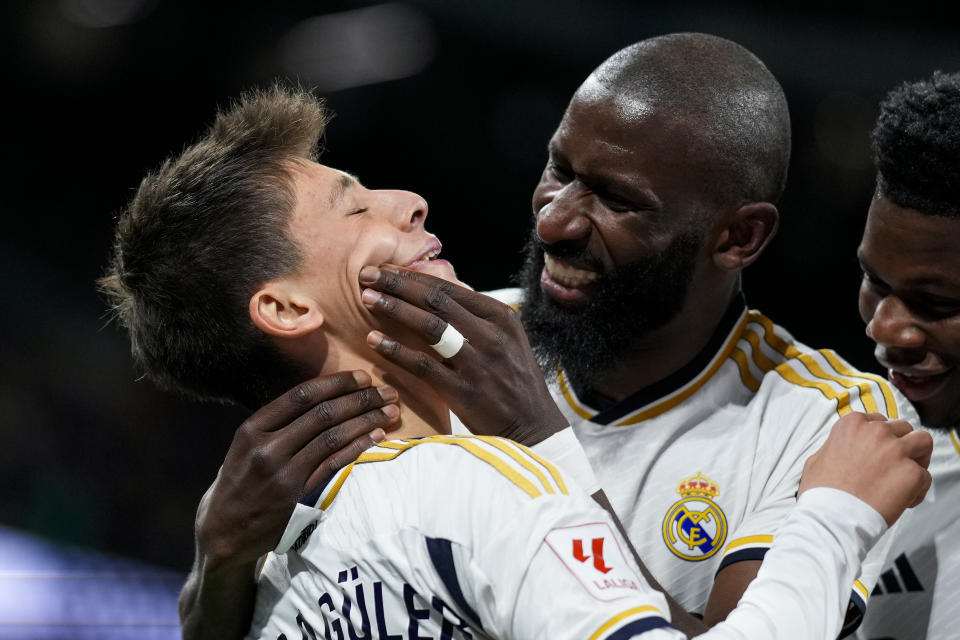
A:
(754, 553)
(313, 497)
(441, 554)
(611, 411)
(855, 611)
(855, 608)
(638, 627)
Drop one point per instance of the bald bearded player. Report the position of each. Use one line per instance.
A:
(696, 412)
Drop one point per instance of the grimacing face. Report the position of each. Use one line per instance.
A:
(910, 301)
(340, 226)
(616, 190)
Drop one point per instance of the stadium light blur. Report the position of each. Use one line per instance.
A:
(360, 47)
(51, 592)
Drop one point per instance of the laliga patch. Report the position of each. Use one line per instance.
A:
(592, 553)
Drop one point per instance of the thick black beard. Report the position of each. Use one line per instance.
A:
(628, 303)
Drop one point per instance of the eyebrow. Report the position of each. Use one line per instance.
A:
(922, 280)
(343, 183)
(610, 185)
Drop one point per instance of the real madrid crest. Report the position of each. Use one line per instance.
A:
(695, 527)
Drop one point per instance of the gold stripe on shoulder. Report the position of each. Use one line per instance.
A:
(864, 389)
(335, 489)
(842, 399)
(759, 357)
(561, 485)
(746, 376)
(672, 401)
(467, 444)
(770, 336)
(546, 464)
(892, 410)
(823, 381)
(518, 456)
(622, 616)
(955, 440)
(398, 446)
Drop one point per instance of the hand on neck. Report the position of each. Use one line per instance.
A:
(423, 412)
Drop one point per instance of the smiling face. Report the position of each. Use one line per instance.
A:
(619, 255)
(340, 226)
(910, 300)
(619, 188)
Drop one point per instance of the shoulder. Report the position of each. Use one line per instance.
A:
(787, 373)
(458, 465)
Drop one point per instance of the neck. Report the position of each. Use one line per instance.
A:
(665, 351)
(422, 411)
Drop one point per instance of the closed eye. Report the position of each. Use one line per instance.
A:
(874, 281)
(358, 211)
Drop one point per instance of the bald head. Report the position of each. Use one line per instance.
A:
(733, 107)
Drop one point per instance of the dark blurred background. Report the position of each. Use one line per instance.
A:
(454, 100)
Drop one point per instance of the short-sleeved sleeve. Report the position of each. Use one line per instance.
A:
(544, 564)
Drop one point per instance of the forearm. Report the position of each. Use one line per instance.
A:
(804, 583)
(217, 602)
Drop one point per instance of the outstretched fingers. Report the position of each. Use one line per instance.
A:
(426, 367)
(422, 323)
(316, 463)
(336, 422)
(430, 293)
(283, 410)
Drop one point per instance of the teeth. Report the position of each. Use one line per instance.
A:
(568, 276)
(433, 254)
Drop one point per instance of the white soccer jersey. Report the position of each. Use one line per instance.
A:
(703, 467)
(454, 537)
(918, 594)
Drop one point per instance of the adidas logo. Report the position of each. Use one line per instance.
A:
(898, 579)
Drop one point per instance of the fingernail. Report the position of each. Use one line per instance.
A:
(392, 411)
(378, 435)
(362, 378)
(369, 275)
(374, 338)
(370, 297)
(387, 393)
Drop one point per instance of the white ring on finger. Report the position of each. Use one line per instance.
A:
(451, 341)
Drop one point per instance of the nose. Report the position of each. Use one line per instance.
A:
(408, 209)
(563, 219)
(893, 325)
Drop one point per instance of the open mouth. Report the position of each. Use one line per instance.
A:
(428, 260)
(427, 254)
(567, 275)
(566, 284)
(920, 386)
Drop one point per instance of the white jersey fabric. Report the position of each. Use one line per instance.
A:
(703, 467)
(454, 537)
(918, 594)
(461, 537)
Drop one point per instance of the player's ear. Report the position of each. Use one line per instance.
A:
(281, 310)
(745, 234)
